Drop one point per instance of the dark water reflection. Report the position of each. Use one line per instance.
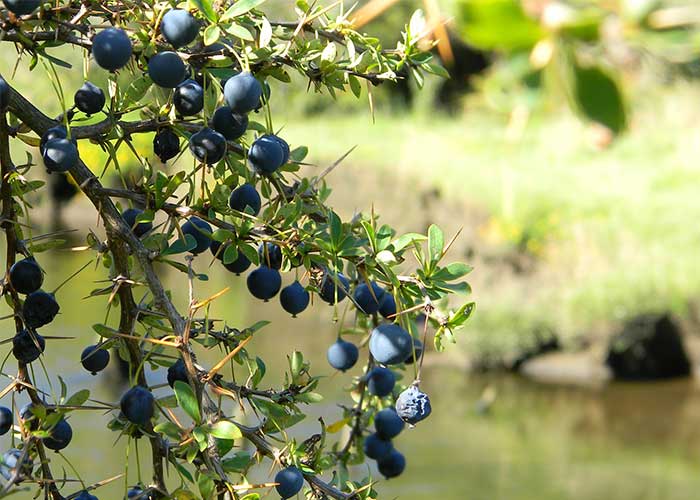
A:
(621, 442)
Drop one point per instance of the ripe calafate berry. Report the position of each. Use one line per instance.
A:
(388, 424)
(4, 94)
(137, 405)
(290, 481)
(368, 299)
(138, 493)
(166, 69)
(94, 359)
(166, 144)
(417, 352)
(58, 132)
(245, 198)
(90, 98)
(10, 463)
(177, 371)
(270, 255)
(294, 298)
(27, 346)
(242, 92)
(84, 495)
(392, 465)
(390, 344)
(111, 49)
(26, 276)
(264, 283)
(376, 447)
(26, 414)
(388, 306)
(342, 355)
(285, 147)
(188, 98)
(201, 231)
(60, 436)
(266, 155)
(6, 420)
(334, 287)
(380, 381)
(39, 309)
(239, 265)
(179, 28)
(60, 155)
(21, 7)
(229, 124)
(412, 405)
(208, 146)
(129, 215)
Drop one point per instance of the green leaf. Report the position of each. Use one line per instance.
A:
(211, 34)
(187, 400)
(461, 315)
(239, 32)
(436, 69)
(79, 398)
(169, 429)
(206, 486)
(309, 397)
(436, 243)
(403, 241)
(223, 429)
(180, 246)
(498, 25)
(205, 6)
(598, 97)
(239, 8)
(452, 271)
(336, 230)
(239, 462)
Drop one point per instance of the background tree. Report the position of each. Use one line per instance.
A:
(189, 74)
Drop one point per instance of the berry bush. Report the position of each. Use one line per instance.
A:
(221, 191)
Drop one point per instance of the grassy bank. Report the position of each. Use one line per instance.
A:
(566, 238)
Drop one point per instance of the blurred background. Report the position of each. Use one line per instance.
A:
(565, 146)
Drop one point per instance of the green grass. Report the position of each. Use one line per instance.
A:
(611, 232)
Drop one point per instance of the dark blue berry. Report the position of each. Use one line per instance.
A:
(58, 132)
(412, 405)
(179, 28)
(84, 495)
(21, 7)
(4, 94)
(266, 154)
(200, 231)
(60, 155)
(294, 298)
(342, 355)
(90, 99)
(270, 255)
(380, 381)
(111, 49)
(334, 288)
(129, 215)
(230, 125)
(368, 299)
(137, 405)
(177, 371)
(245, 198)
(392, 465)
(264, 283)
(417, 352)
(27, 347)
(188, 98)
(290, 481)
(390, 344)
(6, 420)
(208, 146)
(166, 144)
(242, 92)
(60, 436)
(388, 306)
(388, 424)
(26, 276)
(26, 415)
(94, 359)
(10, 463)
(39, 309)
(376, 447)
(166, 69)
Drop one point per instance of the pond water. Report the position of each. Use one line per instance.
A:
(623, 441)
